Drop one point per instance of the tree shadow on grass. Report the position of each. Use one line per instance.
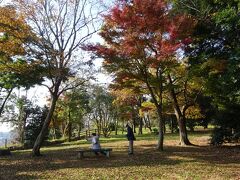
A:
(23, 166)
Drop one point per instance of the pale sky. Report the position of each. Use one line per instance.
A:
(4, 127)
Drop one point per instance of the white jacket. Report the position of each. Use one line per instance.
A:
(95, 142)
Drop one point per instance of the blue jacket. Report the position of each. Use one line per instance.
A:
(130, 134)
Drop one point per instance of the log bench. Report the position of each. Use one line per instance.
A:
(106, 151)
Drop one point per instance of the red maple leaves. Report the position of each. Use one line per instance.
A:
(141, 33)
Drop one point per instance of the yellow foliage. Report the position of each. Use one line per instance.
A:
(194, 112)
(14, 32)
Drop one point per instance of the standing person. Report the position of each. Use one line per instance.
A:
(131, 138)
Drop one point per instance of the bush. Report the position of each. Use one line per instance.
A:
(221, 135)
(155, 131)
(227, 121)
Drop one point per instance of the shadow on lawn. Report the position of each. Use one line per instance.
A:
(23, 166)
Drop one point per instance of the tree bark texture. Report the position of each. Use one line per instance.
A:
(179, 115)
(40, 138)
(161, 130)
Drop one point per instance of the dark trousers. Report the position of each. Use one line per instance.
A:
(97, 152)
(130, 147)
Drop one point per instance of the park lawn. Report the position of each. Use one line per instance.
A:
(175, 162)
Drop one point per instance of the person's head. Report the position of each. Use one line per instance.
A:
(128, 125)
(94, 134)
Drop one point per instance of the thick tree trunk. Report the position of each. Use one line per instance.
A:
(183, 131)
(40, 138)
(180, 117)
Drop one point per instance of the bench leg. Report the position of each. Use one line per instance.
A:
(80, 155)
(108, 154)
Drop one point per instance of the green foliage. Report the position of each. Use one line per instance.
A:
(71, 109)
(214, 55)
(16, 70)
(155, 130)
(219, 136)
(227, 124)
(34, 125)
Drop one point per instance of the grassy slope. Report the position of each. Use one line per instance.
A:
(60, 162)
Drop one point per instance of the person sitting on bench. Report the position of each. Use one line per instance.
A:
(96, 144)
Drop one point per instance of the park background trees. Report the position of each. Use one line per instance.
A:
(171, 61)
(141, 45)
(61, 28)
(214, 56)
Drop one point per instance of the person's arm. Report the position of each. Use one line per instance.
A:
(89, 139)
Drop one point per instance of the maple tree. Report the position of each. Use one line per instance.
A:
(140, 39)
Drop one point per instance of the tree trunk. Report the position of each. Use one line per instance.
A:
(171, 125)
(69, 126)
(116, 127)
(183, 131)
(24, 128)
(161, 130)
(140, 125)
(164, 126)
(79, 132)
(65, 130)
(54, 128)
(5, 100)
(134, 119)
(134, 125)
(69, 131)
(40, 138)
(54, 133)
(123, 127)
(179, 115)
(149, 123)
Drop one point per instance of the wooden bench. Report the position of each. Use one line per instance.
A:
(105, 150)
(5, 152)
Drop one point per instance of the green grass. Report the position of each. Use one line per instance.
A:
(175, 162)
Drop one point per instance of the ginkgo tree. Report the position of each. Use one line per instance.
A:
(141, 37)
